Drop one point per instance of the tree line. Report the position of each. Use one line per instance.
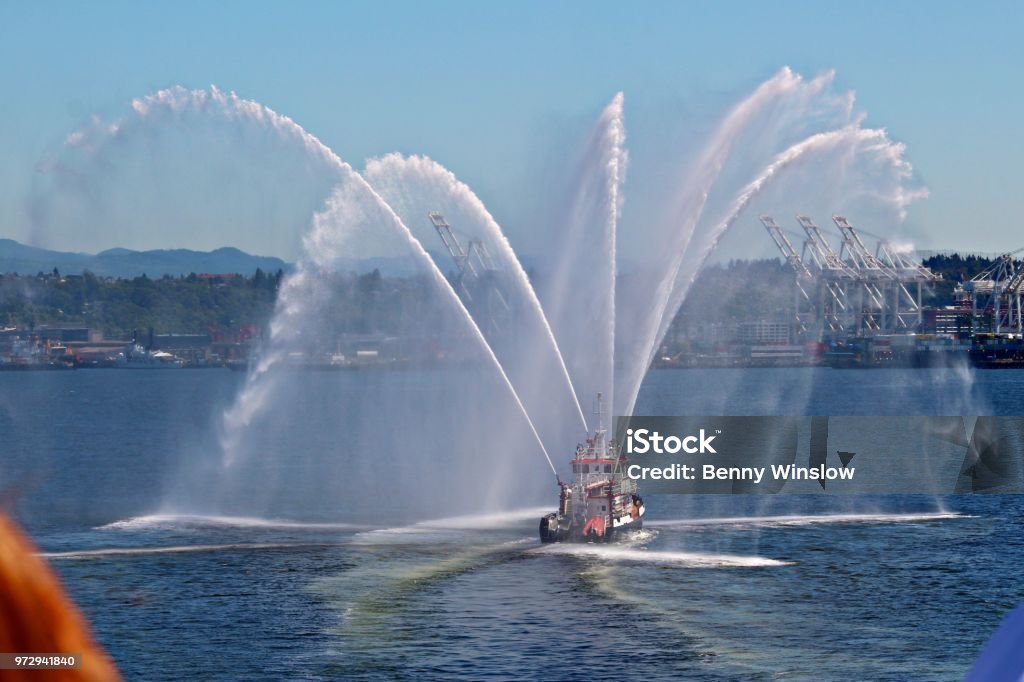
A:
(117, 306)
(365, 303)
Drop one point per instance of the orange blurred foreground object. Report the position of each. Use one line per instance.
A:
(36, 616)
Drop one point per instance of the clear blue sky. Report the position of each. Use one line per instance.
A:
(475, 84)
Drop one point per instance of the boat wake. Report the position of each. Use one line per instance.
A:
(694, 559)
(472, 522)
(452, 528)
(368, 599)
(177, 549)
(194, 520)
(486, 521)
(807, 520)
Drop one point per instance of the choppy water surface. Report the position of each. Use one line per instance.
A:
(715, 588)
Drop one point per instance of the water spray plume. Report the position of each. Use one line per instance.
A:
(816, 143)
(616, 176)
(318, 243)
(406, 183)
(195, 168)
(684, 217)
(801, 100)
(292, 300)
(588, 327)
(579, 290)
(877, 143)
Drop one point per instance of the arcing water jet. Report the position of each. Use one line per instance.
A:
(673, 278)
(411, 183)
(589, 318)
(354, 216)
(578, 290)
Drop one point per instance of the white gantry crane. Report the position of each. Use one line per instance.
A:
(870, 274)
(474, 262)
(1014, 294)
(837, 277)
(478, 275)
(855, 290)
(887, 275)
(996, 292)
(803, 304)
(909, 272)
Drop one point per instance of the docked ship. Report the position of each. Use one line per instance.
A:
(135, 356)
(600, 502)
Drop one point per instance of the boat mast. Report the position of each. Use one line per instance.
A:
(599, 434)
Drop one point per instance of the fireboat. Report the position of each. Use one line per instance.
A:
(601, 502)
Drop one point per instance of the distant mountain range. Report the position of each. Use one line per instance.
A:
(28, 260)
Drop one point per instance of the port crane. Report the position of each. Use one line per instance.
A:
(888, 272)
(836, 274)
(854, 289)
(908, 273)
(998, 290)
(1015, 293)
(474, 262)
(478, 276)
(803, 304)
